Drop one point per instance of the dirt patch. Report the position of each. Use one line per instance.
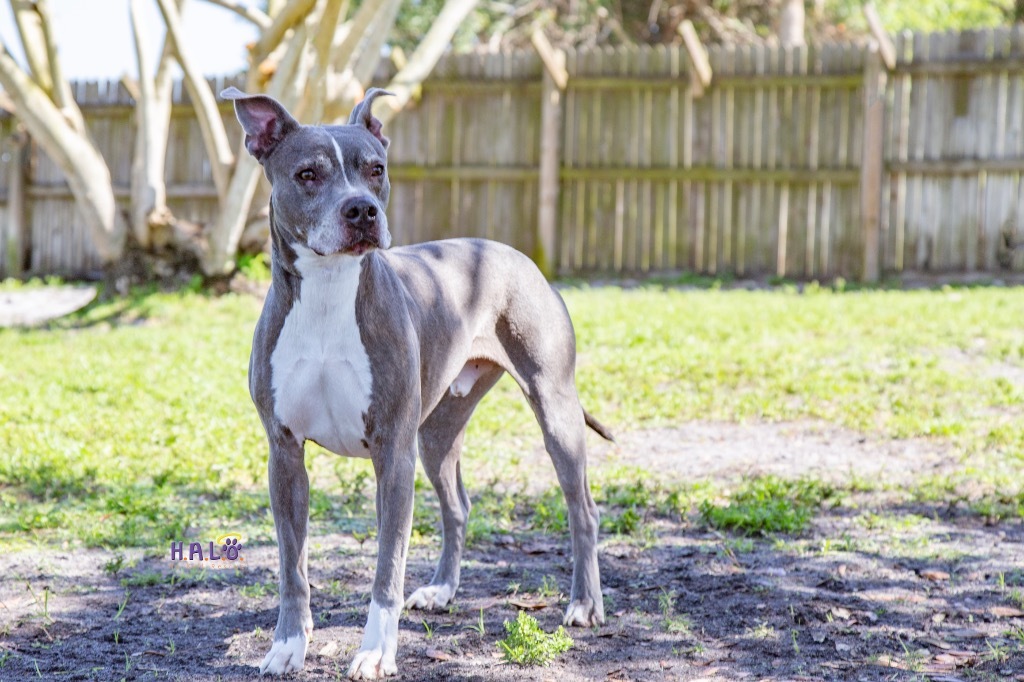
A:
(730, 451)
(874, 590)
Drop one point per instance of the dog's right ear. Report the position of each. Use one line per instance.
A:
(263, 119)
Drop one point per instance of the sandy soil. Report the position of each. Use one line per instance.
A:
(931, 595)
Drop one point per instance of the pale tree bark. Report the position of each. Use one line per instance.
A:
(150, 217)
(43, 103)
(306, 51)
(224, 235)
(211, 125)
(407, 81)
(791, 23)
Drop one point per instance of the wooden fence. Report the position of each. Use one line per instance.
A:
(809, 162)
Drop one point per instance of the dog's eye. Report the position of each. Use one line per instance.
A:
(377, 170)
(306, 175)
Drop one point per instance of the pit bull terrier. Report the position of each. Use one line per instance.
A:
(384, 354)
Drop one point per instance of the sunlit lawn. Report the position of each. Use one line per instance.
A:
(130, 423)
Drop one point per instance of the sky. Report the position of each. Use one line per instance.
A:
(94, 37)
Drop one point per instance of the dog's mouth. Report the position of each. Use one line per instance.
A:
(362, 246)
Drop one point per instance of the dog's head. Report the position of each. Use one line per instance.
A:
(329, 183)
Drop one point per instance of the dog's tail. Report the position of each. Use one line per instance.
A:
(600, 428)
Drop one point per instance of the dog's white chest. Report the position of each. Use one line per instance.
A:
(320, 370)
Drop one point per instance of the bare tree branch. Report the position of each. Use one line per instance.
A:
(262, 20)
(425, 57)
(286, 84)
(222, 158)
(291, 14)
(30, 30)
(61, 89)
(148, 185)
(82, 164)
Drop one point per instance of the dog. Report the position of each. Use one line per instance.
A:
(384, 353)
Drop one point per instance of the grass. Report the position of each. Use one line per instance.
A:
(768, 504)
(130, 425)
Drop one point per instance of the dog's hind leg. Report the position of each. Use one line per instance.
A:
(440, 448)
(558, 410)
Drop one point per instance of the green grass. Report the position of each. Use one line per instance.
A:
(768, 504)
(130, 424)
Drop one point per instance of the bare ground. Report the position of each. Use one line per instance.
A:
(877, 589)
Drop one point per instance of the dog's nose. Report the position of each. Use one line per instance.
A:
(360, 212)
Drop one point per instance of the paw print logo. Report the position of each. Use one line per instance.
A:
(230, 548)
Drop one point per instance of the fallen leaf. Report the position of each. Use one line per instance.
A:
(1006, 612)
(528, 605)
(938, 618)
(437, 654)
(966, 633)
(934, 575)
(329, 650)
(840, 612)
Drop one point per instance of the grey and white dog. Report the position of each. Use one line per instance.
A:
(384, 354)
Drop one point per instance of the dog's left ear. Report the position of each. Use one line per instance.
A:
(362, 115)
(263, 119)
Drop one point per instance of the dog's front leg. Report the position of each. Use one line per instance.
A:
(289, 500)
(395, 467)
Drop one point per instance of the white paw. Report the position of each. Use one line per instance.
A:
(431, 597)
(376, 657)
(285, 656)
(583, 612)
(372, 665)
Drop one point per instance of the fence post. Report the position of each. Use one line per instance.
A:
(872, 162)
(555, 81)
(15, 237)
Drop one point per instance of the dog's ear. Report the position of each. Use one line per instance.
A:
(362, 114)
(263, 119)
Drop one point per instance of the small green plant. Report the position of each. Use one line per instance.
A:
(257, 590)
(528, 644)
(548, 586)
(428, 629)
(115, 564)
(998, 652)
(671, 621)
(255, 266)
(120, 606)
(549, 512)
(4, 657)
(479, 627)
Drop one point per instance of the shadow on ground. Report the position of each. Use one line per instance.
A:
(911, 593)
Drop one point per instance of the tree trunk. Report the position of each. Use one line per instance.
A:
(791, 23)
(149, 212)
(74, 152)
(224, 234)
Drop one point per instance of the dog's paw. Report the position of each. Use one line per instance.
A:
(584, 613)
(431, 597)
(372, 664)
(286, 656)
